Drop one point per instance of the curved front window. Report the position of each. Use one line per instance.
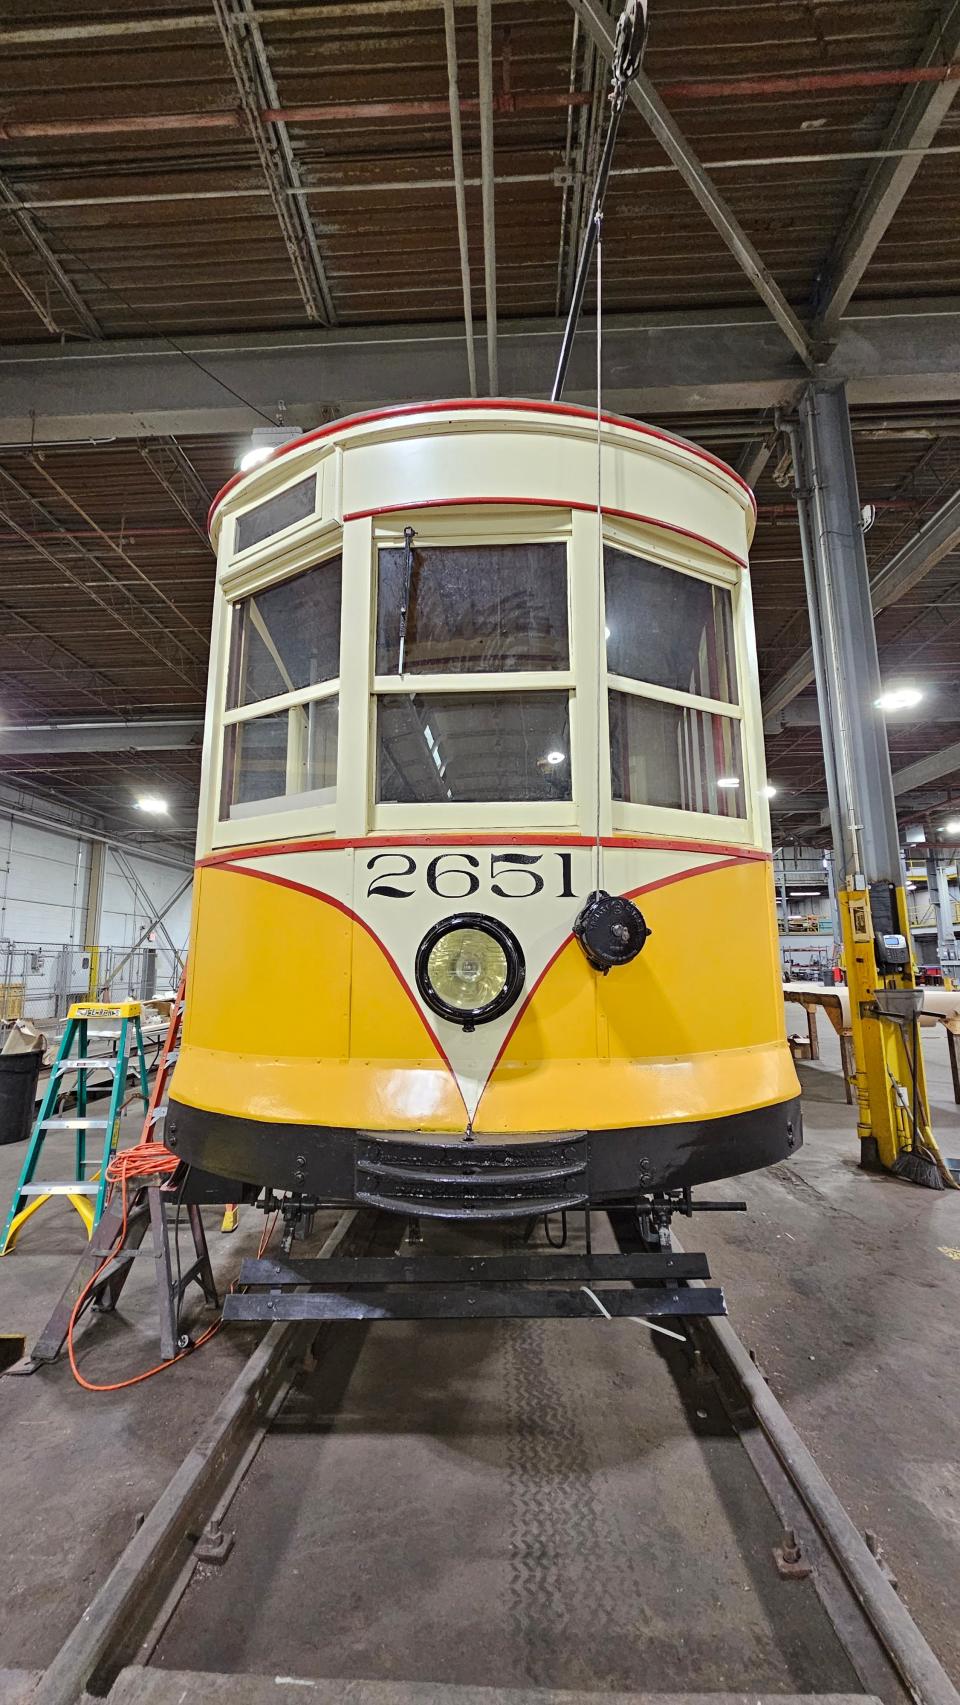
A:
(493, 620)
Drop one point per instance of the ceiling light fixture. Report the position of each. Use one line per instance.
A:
(152, 804)
(264, 440)
(899, 698)
(769, 792)
(556, 757)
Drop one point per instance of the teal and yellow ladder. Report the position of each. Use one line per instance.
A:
(85, 1191)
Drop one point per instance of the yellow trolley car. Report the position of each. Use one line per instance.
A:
(484, 919)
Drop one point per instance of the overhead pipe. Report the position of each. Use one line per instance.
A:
(456, 143)
(507, 101)
(809, 82)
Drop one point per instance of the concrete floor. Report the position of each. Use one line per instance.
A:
(846, 1286)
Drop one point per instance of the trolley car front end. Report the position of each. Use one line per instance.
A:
(450, 706)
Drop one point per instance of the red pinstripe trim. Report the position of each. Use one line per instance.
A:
(645, 888)
(467, 404)
(437, 839)
(546, 503)
(338, 905)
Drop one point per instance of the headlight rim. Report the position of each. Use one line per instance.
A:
(503, 935)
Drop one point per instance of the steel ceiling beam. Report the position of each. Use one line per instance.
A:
(920, 112)
(943, 706)
(167, 459)
(110, 594)
(160, 622)
(68, 670)
(754, 457)
(41, 309)
(139, 734)
(928, 769)
(672, 140)
(29, 229)
(250, 66)
(688, 361)
(934, 540)
(906, 780)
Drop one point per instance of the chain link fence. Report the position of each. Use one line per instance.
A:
(40, 980)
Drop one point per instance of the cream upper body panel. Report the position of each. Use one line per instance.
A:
(521, 453)
(487, 476)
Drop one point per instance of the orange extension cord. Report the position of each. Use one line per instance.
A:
(145, 1160)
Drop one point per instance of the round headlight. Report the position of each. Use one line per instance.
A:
(470, 968)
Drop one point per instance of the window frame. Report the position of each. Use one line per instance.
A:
(355, 813)
(287, 536)
(632, 816)
(533, 527)
(286, 818)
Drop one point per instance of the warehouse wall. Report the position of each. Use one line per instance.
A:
(42, 884)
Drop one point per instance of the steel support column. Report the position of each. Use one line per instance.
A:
(93, 912)
(892, 1113)
(939, 891)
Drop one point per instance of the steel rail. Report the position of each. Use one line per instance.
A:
(911, 1657)
(141, 1592)
(109, 1633)
(916, 1663)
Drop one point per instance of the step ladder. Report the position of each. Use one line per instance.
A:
(169, 1054)
(152, 1204)
(86, 1191)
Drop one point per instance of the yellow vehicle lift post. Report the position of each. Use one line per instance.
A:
(893, 1116)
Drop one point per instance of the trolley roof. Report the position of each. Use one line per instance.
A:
(472, 404)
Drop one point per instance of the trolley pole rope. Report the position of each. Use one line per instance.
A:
(627, 58)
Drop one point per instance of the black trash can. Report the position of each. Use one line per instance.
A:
(18, 1094)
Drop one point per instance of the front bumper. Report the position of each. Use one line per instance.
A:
(466, 1178)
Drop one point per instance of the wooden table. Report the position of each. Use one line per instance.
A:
(940, 1006)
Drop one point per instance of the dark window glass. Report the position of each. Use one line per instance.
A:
(667, 628)
(473, 608)
(259, 755)
(254, 762)
(287, 636)
(668, 754)
(276, 513)
(455, 747)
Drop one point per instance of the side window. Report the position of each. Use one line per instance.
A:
(275, 514)
(675, 755)
(285, 646)
(667, 629)
(287, 636)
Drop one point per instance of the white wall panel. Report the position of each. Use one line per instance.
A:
(42, 883)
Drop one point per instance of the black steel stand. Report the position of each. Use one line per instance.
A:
(153, 1205)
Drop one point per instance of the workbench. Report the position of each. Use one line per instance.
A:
(940, 1006)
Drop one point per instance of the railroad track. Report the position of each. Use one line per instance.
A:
(561, 1529)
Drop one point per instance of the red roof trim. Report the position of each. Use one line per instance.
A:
(468, 404)
(547, 503)
(438, 839)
